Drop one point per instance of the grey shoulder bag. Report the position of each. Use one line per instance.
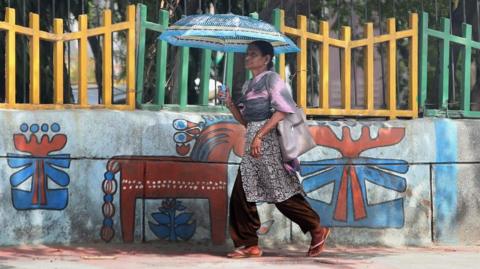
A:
(294, 136)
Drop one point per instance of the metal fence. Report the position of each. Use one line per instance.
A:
(442, 105)
(58, 39)
(347, 45)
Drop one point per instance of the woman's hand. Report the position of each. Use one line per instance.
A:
(225, 95)
(256, 147)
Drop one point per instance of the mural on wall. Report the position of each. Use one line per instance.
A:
(201, 175)
(170, 224)
(349, 206)
(39, 166)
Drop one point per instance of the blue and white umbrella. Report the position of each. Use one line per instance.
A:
(225, 32)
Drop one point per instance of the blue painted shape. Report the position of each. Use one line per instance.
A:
(399, 166)
(312, 183)
(108, 222)
(161, 218)
(313, 166)
(214, 119)
(180, 124)
(56, 175)
(57, 199)
(34, 128)
(24, 127)
(60, 160)
(55, 127)
(381, 178)
(445, 181)
(185, 231)
(160, 231)
(109, 175)
(183, 218)
(18, 160)
(20, 176)
(170, 224)
(108, 198)
(382, 172)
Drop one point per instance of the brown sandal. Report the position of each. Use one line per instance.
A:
(245, 252)
(316, 249)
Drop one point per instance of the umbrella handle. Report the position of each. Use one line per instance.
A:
(225, 69)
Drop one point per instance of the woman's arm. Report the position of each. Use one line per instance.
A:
(236, 114)
(269, 125)
(232, 107)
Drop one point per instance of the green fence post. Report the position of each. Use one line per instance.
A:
(276, 23)
(141, 54)
(249, 75)
(423, 63)
(205, 77)
(183, 77)
(444, 64)
(161, 62)
(229, 70)
(465, 101)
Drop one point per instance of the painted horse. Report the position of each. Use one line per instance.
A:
(203, 174)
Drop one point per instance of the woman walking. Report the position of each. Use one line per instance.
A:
(263, 176)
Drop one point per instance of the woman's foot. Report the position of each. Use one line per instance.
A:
(245, 252)
(319, 236)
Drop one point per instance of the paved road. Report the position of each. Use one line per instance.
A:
(179, 256)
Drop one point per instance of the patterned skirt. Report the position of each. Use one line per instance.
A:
(265, 178)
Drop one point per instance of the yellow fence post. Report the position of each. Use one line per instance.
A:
(58, 63)
(10, 69)
(368, 67)
(346, 69)
(392, 69)
(325, 64)
(107, 58)
(35, 59)
(302, 62)
(413, 65)
(82, 61)
(131, 57)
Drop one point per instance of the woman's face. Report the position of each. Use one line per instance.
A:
(254, 60)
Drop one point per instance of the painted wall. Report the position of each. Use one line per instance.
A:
(111, 176)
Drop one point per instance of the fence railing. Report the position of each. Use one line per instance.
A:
(441, 108)
(58, 37)
(158, 101)
(347, 44)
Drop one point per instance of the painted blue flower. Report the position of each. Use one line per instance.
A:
(170, 224)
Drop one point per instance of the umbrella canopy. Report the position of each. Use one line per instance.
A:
(225, 32)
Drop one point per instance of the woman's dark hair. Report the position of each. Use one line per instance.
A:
(265, 48)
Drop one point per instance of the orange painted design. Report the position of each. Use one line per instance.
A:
(341, 209)
(358, 205)
(350, 148)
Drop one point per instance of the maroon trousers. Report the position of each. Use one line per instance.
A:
(244, 220)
